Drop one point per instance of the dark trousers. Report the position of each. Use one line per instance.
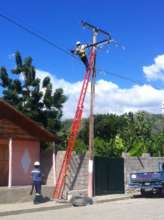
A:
(85, 61)
(37, 185)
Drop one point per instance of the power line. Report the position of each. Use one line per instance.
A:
(120, 76)
(11, 20)
(124, 78)
(51, 43)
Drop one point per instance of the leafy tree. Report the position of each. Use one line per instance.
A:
(156, 147)
(80, 146)
(84, 131)
(109, 148)
(24, 91)
(119, 145)
(133, 133)
(106, 126)
(103, 147)
(137, 132)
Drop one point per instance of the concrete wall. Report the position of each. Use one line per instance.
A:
(140, 164)
(21, 194)
(77, 174)
(46, 159)
(77, 177)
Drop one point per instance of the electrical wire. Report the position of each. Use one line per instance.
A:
(125, 78)
(41, 37)
(120, 76)
(51, 43)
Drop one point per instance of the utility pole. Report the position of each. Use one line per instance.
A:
(95, 32)
(91, 124)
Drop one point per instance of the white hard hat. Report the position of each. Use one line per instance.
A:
(78, 43)
(36, 163)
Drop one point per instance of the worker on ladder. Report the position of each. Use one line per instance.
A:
(80, 51)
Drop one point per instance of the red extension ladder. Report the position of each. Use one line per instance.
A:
(74, 130)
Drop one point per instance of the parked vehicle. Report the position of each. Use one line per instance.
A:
(148, 182)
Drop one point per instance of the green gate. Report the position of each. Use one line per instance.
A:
(108, 175)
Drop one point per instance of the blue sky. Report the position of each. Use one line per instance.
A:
(137, 25)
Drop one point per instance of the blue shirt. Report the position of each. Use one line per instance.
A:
(36, 175)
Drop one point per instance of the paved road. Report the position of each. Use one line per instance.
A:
(130, 209)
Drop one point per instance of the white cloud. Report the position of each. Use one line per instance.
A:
(156, 70)
(110, 98)
(11, 56)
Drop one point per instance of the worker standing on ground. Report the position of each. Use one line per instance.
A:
(80, 50)
(37, 178)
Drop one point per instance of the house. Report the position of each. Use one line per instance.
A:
(20, 139)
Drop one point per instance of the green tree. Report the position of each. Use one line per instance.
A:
(108, 141)
(106, 126)
(119, 146)
(80, 146)
(137, 132)
(103, 147)
(156, 147)
(24, 90)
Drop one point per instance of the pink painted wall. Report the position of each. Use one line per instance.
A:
(25, 152)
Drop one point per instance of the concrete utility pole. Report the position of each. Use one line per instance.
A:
(91, 124)
(95, 32)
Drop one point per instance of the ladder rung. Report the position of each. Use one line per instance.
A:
(74, 130)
